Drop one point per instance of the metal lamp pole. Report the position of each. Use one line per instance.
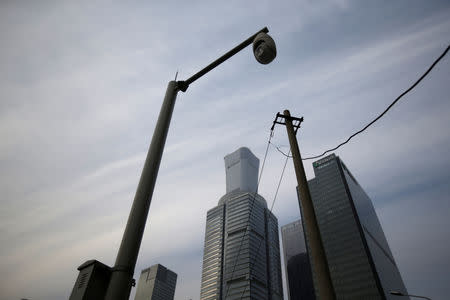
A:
(122, 273)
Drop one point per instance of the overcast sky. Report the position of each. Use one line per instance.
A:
(81, 84)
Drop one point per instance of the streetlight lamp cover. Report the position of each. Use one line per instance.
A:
(264, 48)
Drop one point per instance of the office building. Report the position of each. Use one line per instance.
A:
(156, 283)
(299, 280)
(241, 253)
(360, 262)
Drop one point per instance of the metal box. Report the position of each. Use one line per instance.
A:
(92, 281)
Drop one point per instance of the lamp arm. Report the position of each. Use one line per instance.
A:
(183, 85)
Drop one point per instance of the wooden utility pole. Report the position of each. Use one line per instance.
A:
(319, 266)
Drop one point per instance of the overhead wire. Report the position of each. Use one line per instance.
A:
(317, 156)
(388, 108)
(271, 208)
(250, 211)
(281, 178)
(281, 151)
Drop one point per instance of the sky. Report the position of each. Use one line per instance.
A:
(82, 82)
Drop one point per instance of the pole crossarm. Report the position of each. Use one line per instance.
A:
(279, 120)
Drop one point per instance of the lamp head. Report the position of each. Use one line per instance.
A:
(264, 48)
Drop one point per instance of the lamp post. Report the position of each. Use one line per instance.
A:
(122, 273)
(397, 293)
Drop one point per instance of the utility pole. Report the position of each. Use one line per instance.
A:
(321, 275)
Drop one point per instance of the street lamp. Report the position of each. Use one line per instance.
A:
(397, 293)
(122, 273)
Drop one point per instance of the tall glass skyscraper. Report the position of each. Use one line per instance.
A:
(299, 280)
(241, 257)
(359, 259)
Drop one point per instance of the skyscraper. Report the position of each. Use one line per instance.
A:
(156, 283)
(296, 261)
(360, 262)
(241, 257)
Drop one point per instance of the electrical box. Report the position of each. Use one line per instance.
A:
(92, 281)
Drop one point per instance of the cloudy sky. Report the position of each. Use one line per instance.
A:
(81, 84)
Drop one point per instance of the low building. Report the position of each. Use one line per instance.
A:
(156, 283)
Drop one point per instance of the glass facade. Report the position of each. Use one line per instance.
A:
(273, 257)
(213, 253)
(241, 257)
(296, 261)
(156, 283)
(358, 256)
(383, 261)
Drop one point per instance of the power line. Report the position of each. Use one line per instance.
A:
(388, 108)
(271, 208)
(281, 151)
(281, 178)
(317, 156)
(250, 212)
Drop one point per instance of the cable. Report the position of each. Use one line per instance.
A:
(279, 150)
(264, 161)
(317, 156)
(389, 107)
(281, 178)
(273, 202)
(343, 143)
(250, 212)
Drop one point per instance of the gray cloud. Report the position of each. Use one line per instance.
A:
(81, 86)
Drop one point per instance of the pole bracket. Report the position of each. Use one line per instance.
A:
(182, 85)
(124, 269)
(281, 119)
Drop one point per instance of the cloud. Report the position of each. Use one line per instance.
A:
(83, 84)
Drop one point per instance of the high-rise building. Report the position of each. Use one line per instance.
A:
(241, 257)
(299, 280)
(156, 283)
(360, 262)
